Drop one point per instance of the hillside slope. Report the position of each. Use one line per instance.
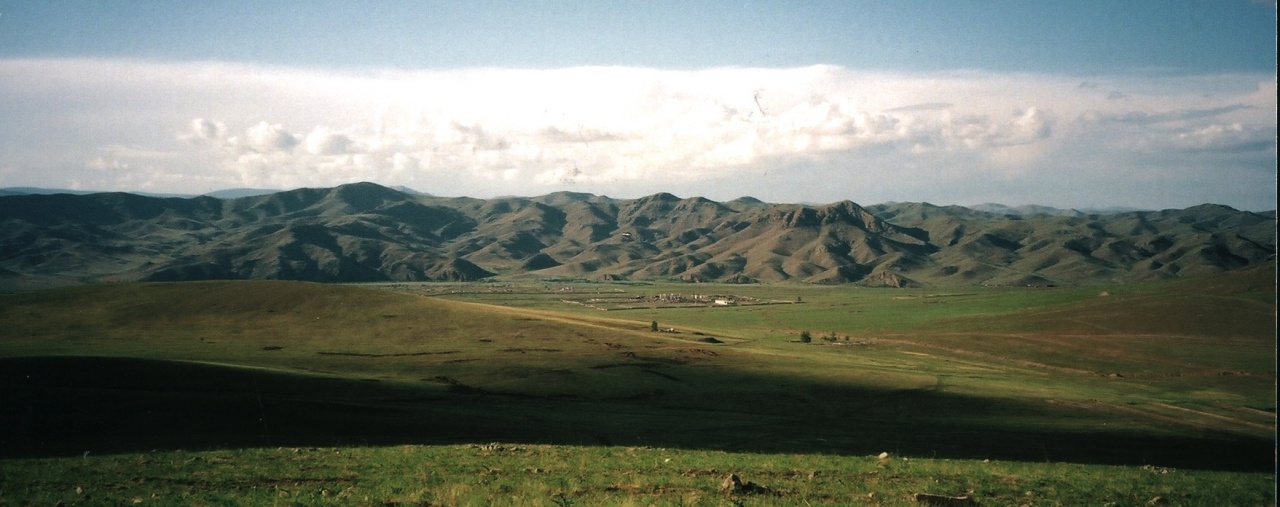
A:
(366, 232)
(272, 363)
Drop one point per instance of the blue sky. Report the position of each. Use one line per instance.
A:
(1078, 36)
(1074, 104)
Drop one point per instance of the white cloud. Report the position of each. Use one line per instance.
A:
(267, 138)
(1226, 138)
(322, 141)
(204, 131)
(106, 164)
(979, 131)
(618, 130)
(1149, 117)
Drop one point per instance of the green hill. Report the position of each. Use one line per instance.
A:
(364, 232)
(1001, 373)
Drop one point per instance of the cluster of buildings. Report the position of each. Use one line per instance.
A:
(703, 299)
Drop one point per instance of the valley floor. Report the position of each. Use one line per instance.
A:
(1120, 394)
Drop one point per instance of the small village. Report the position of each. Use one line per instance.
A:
(694, 299)
(671, 300)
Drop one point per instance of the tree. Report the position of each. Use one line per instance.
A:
(805, 337)
(653, 326)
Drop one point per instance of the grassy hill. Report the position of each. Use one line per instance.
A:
(365, 232)
(1150, 374)
(1174, 381)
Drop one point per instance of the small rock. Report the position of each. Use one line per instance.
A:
(943, 500)
(731, 484)
(884, 459)
(734, 485)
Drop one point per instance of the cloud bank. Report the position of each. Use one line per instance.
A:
(818, 133)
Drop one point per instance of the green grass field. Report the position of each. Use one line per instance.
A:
(540, 475)
(1074, 395)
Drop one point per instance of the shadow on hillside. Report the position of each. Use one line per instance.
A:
(65, 406)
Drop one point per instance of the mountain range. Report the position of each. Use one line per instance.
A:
(367, 232)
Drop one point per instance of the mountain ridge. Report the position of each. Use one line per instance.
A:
(367, 232)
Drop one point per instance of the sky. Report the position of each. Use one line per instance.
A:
(1074, 104)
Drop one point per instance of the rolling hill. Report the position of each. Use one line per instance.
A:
(1176, 373)
(366, 232)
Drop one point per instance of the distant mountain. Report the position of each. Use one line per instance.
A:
(1110, 209)
(366, 232)
(410, 191)
(1027, 210)
(1031, 209)
(52, 191)
(236, 193)
(39, 191)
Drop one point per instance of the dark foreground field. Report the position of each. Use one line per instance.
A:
(1175, 375)
(63, 406)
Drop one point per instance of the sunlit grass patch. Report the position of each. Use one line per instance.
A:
(516, 474)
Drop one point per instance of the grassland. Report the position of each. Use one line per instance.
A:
(1066, 391)
(540, 475)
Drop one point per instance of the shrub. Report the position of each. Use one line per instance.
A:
(805, 337)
